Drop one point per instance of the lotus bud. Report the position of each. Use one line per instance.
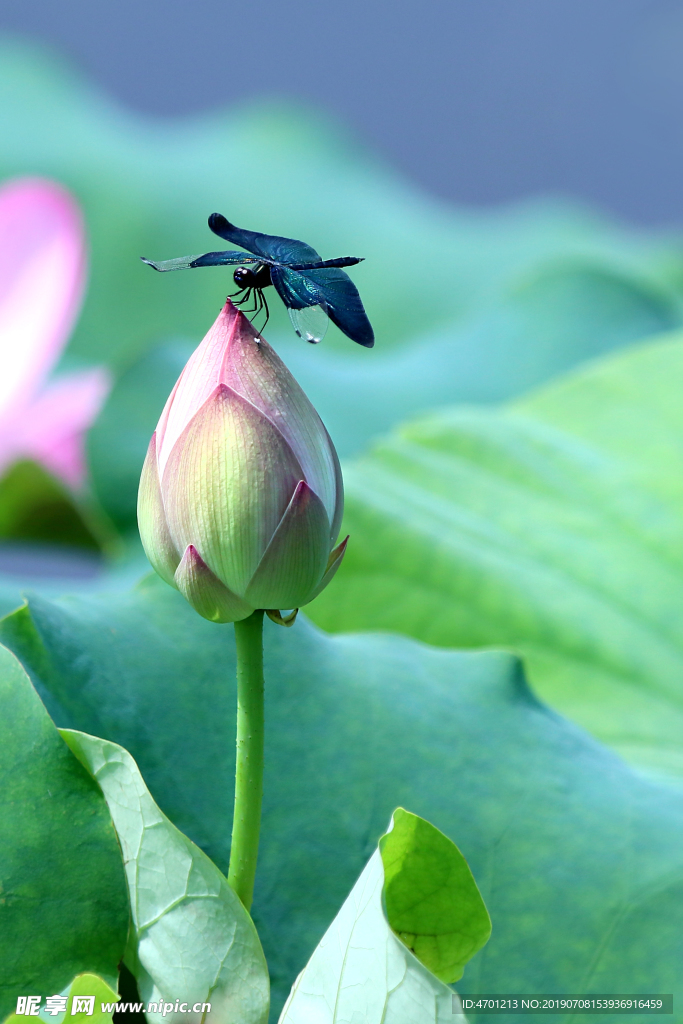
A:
(241, 496)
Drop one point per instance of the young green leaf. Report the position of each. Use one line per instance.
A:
(87, 985)
(431, 899)
(191, 938)
(360, 970)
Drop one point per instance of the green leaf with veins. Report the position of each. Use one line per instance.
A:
(431, 899)
(191, 938)
(63, 897)
(360, 970)
(554, 527)
(578, 858)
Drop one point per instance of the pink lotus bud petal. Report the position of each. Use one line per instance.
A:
(232, 353)
(296, 557)
(263, 379)
(227, 483)
(154, 531)
(244, 480)
(205, 592)
(333, 564)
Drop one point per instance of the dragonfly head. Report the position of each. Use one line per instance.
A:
(248, 277)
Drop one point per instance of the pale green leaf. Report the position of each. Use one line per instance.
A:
(83, 985)
(191, 940)
(360, 970)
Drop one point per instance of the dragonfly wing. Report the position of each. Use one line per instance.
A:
(208, 259)
(306, 307)
(340, 261)
(295, 289)
(338, 293)
(223, 259)
(331, 289)
(310, 323)
(272, 247)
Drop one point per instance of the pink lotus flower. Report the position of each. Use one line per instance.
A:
(42, 279)
(241, 495)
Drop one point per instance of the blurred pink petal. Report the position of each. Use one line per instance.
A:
(50, 429)
(42, 277)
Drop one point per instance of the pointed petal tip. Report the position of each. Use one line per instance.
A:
(338, 553)
(294, 561)
(333, 564)
(209, 597)
(232, 316)
(303, 495)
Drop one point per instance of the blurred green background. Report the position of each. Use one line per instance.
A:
(468, 305)
(480, 517)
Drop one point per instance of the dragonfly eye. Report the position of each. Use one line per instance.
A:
(244, 277)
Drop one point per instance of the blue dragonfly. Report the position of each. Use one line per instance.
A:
(314, 290)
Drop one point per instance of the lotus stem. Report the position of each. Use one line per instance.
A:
(249, 767)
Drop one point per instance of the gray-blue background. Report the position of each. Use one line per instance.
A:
(478, 100)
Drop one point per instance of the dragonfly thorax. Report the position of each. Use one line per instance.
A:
(247, 277)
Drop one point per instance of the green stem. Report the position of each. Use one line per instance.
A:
(249, 770)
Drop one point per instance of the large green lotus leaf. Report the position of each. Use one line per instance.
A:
(541, 325)
(360, 969)
(147, 187)
(578, 858)
(63, 896)
(191, 939)
(554, 527)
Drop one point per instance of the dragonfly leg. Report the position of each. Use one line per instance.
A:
(250, 294)
(259, 303)
(265, 303)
